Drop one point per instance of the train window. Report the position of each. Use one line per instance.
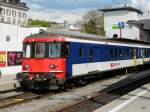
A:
(116, 53)
(138, 53)
(91, 53)
(65, 50)
(128, 53)
(120, 52)
(146, 52)
(141, 53)
(39, 50)
(131, 53)
(81, 52)
(125, 53)
(55, 50)
(111, 53)
(27, 51)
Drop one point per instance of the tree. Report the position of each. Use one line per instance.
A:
(93, 23)
(39, 23)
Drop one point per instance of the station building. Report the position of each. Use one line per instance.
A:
(144, 26)
(115, 22)
(13, 12)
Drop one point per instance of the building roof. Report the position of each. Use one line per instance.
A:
(13, 4)
(142, 24)
(84, 36)
(121, 9)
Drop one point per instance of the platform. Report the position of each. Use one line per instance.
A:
(135, 101)
(7, 82)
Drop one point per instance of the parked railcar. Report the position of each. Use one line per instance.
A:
(50, 59)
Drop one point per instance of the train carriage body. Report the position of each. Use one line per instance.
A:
(51, 59)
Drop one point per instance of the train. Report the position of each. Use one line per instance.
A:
(53, 58)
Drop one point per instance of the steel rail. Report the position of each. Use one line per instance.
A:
(106, 93)
(17, 99)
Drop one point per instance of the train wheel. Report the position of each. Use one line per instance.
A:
(64, 86)
(23, 85)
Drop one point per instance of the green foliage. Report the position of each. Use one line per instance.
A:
(93, 23)
(39, 23)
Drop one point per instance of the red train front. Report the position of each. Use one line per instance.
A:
(44, 62)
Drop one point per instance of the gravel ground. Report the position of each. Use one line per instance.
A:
(60, 100)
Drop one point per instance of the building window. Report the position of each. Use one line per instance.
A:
(3, 11)
(7, 38)
(14, 13)
(19, 22)
(2, 19)
(19, 14)
(24, 15)
(24, 23)
(8, 19)
(8, 12)
(14, 21)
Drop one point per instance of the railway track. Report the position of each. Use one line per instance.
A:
(98, 100)
(10, 91)
(107, 95)
(17, 99)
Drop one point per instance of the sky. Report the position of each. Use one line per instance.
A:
(73, 10)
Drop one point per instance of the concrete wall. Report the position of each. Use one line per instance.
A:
(114, 17)
(16, 34)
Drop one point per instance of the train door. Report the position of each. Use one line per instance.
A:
(92, 52)
(134, 57)
(143, 55)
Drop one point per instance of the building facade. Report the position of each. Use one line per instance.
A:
(144, 26)
(13, 12)
(11, 39)
(115, 22)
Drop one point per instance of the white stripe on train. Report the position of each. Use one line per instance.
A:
(84, 68)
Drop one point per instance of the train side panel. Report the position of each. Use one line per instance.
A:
(85, 58)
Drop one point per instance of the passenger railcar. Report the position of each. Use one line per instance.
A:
(52, 58)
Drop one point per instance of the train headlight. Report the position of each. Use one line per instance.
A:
(26, 67)
(52, 66)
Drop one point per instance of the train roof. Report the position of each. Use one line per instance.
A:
(84, 36)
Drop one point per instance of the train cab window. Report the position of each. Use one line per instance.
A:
(55, 50)
(81, 51)
(39, 50)
(27, 51)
